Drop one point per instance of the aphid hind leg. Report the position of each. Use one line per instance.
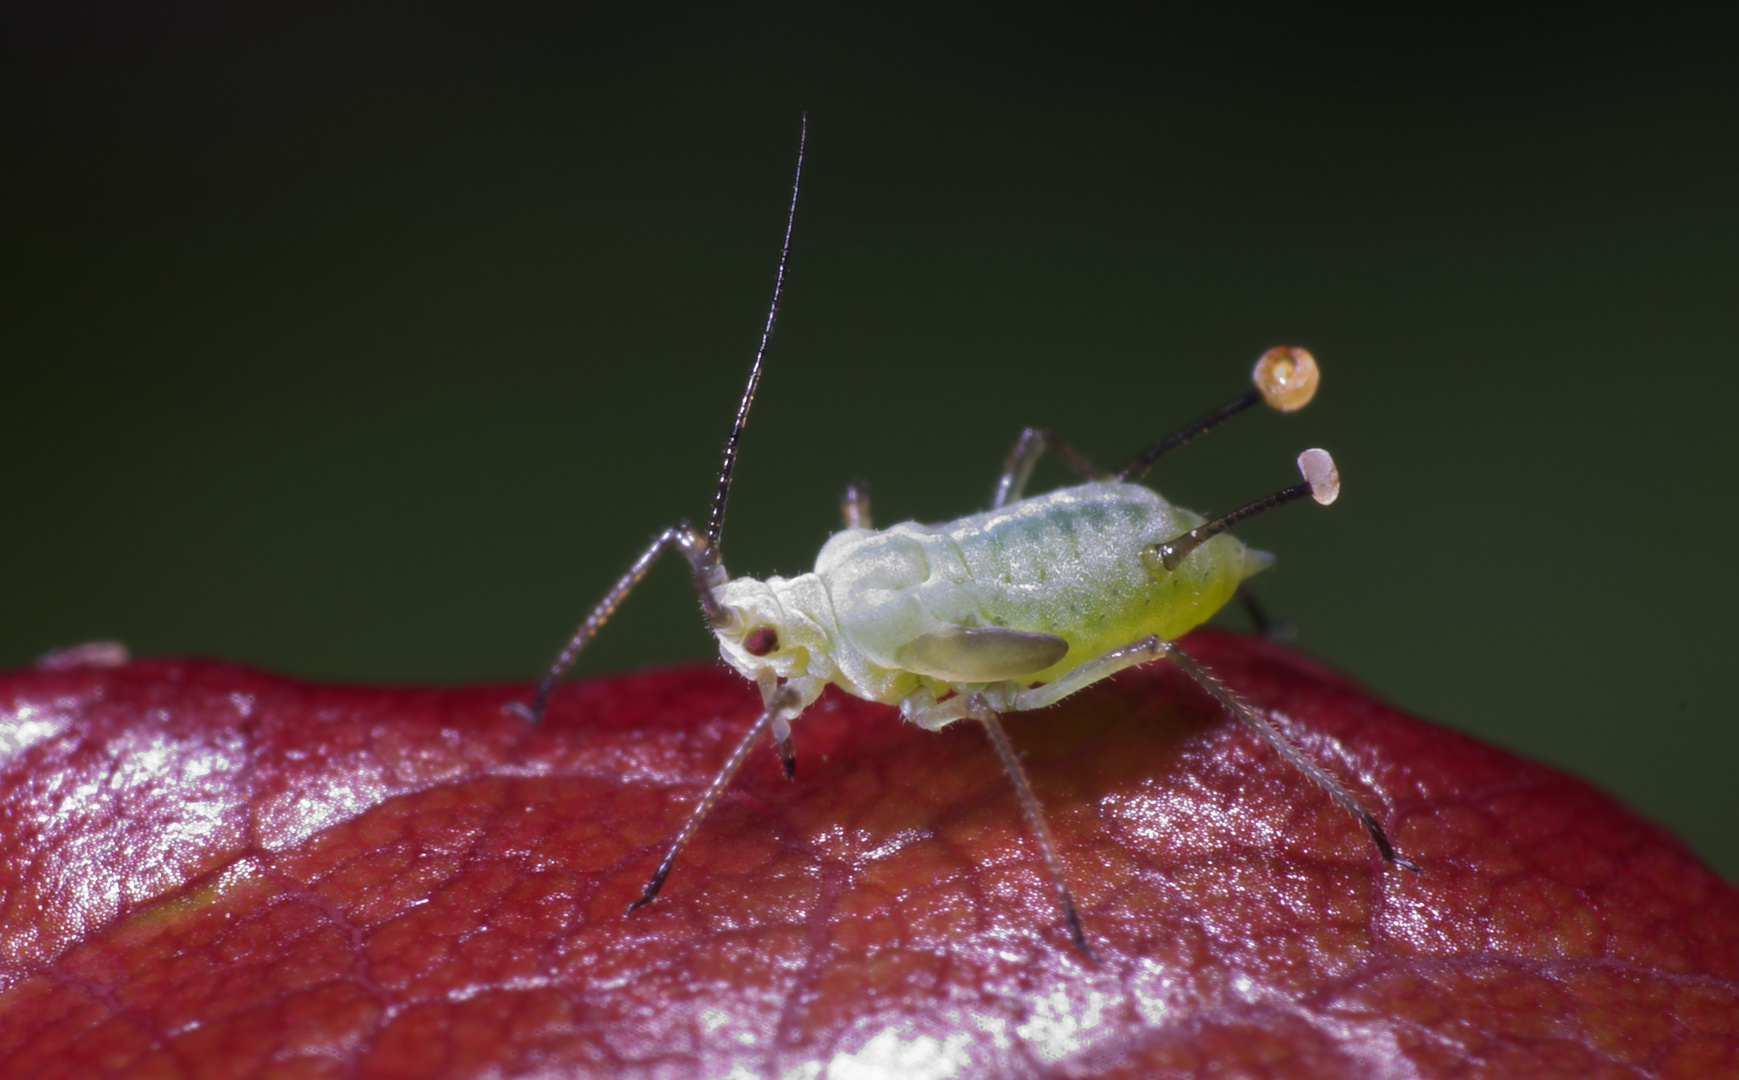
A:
(709, 574)
(854, 505)
(1152, 648)
(1283, 746)
(1259, 618)
(1079, 678)
(787, 702)
(1017, 468)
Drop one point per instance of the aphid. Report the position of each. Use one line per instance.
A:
(1015, 608)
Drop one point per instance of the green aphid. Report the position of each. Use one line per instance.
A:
(1011, 609)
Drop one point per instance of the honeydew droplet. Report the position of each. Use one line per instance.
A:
(1286, 376)
(1320, 473)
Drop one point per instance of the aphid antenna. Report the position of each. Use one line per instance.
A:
(702, 552)
(1321, 482)
(1285, 378)
(716, 520)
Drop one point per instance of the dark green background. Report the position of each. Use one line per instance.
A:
(371, 345)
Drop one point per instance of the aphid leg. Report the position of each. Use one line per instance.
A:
(854, 505)
(1295, 757)
(782, 743)
(1079, 678)
(786, 702)
(1151, 648)
(980, 710)
(702, 558)
(1266, 627)
(1017, 468)
(781, 729)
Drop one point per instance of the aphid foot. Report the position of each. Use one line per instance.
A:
(1078, 935)
(521, 710)
(1381, 839)
(788, 757)
(646, 897)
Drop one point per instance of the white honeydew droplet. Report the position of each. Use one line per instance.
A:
(1320, 473)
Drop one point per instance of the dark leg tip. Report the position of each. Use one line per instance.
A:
(521, 710)
(1381, 839)
(645, 898)
(1079, 937)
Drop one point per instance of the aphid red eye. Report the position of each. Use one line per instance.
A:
(761, 641)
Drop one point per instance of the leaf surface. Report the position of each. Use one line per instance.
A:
(208, 871)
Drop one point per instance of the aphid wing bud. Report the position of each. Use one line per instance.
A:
(974, 654)
(1319, 472)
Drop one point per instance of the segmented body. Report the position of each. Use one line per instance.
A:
(882, 612)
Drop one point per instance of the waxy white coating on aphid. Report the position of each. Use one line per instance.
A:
(993, 603)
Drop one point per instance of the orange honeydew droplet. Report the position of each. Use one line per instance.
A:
(1287, 377)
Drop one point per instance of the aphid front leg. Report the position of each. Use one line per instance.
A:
(927, 712)
(781, 726)
(787, 701)
(1017, 468)
(709, 574)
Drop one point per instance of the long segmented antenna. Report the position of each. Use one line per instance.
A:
(1285, 377)
(702, 554)
(716, 521)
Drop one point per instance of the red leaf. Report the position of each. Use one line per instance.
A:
(210, 871)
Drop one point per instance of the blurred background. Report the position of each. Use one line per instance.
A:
(371, 343)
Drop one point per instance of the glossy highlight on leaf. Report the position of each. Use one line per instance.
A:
(206, 870)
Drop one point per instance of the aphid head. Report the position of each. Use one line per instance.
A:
(768, 628)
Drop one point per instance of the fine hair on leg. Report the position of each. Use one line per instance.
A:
(708, 574)
(1295, 757)
(785, 699)
(1017, 468)
(1029, 805)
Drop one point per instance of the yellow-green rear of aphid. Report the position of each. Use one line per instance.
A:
(1078, 564)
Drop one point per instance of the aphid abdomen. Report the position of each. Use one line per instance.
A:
(1070, 563)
